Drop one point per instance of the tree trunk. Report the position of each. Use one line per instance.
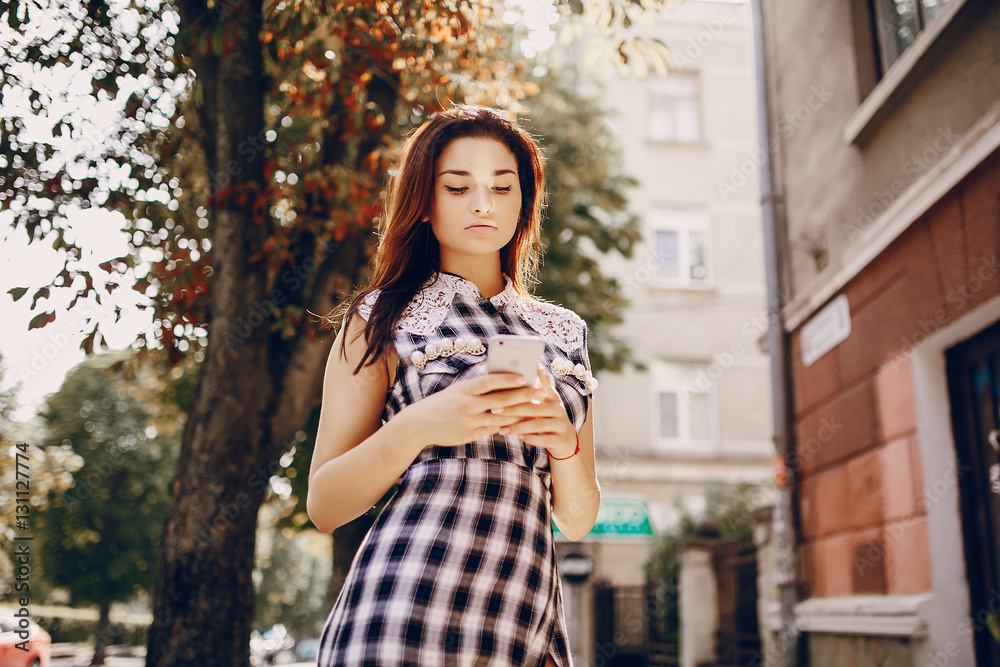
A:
(101, 643)
(203, 601)
(253, 392)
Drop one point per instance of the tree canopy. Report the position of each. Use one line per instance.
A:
(344, 82)
(245, 147)
(102, 532)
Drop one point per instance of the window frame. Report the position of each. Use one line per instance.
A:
(660, 89)
(886, 85)
(684, 442)
(879, 8)
(681, 221)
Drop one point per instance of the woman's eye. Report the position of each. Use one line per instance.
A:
(460, 190)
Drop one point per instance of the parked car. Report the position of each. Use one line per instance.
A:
(271, 643)
(12, 633)
(307, 649)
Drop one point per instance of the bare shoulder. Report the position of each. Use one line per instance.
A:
(352, 403)
(390, 359)
(350, 346)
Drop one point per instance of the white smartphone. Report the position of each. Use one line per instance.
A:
(515, 354)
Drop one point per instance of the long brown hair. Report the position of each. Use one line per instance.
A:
(408, 253)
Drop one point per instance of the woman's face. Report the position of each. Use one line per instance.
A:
(477, 199)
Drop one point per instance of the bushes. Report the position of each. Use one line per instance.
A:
(84, 630)
(729, 514)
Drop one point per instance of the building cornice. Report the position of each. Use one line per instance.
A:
(866, 615)
(878, 100)
(965, 155)
(883, 615)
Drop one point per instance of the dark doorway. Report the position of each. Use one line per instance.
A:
(629, 629)
(974, 389)
(736, 574)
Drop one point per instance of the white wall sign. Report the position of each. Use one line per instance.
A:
(826, 330)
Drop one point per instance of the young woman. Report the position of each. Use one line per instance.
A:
(459, 567)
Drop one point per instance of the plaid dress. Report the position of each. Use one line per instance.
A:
(459, 567)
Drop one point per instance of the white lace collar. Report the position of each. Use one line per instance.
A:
(455, 284)
(429, 307)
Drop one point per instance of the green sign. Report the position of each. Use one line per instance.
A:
(621, 517)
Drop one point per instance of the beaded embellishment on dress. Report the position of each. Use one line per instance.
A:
(445, 348)
(567, 367)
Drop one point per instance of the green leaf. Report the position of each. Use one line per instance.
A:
(40, 294)
(17, 292)
(217, 44)
(40, 320)
(993, 623)
(12, 20)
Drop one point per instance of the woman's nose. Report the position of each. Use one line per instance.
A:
(482, 203)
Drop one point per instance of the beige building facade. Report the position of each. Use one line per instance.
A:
(700, 413)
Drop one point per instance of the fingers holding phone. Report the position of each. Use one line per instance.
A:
(543, 421)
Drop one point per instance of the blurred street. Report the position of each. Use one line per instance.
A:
(763, 258)
(78, 655)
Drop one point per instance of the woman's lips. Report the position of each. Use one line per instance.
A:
(481, 228)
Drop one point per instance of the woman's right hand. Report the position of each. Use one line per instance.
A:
(467, 410)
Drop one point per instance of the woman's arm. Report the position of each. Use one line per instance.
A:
(576, 495)
(355, 461)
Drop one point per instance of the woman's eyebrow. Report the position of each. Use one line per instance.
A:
(458, 172)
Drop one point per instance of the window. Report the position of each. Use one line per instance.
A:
(674, 113)
(681, 244)
(683, 407)
(684, 418)
(897, 23)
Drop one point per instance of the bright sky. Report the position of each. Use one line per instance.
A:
(38, 360)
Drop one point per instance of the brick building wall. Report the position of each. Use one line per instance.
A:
(863, 490)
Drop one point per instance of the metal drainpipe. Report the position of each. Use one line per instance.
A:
(784, 516)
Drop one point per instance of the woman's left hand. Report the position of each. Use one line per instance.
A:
(545, 422)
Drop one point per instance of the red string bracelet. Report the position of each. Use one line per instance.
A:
(556, 458)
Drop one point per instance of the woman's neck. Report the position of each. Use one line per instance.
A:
(486, 275)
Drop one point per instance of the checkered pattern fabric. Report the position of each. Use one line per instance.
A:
(459, 568)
